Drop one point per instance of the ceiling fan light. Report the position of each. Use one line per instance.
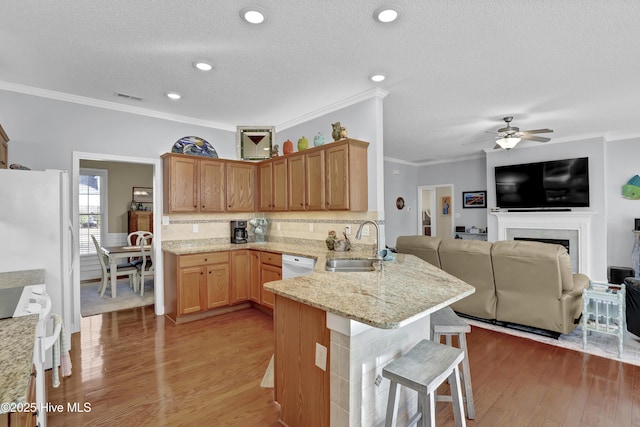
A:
(508, 142)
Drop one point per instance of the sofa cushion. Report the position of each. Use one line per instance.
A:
(424, 247)
(470, 261)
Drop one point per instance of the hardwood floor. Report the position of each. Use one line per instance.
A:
(136, 369)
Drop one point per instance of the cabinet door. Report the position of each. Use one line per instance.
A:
(296, 182)
(265, 182)
(140, 221)
(269, 273)
(337, 177)
(254, 281)
(217, 285)
(240, 276)
(183, 184)
(315, 181)
(212, 194)
(4, 155)
(241, 180)
(192, 289)
(279, 190)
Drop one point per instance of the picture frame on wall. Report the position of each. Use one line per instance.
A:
(446, 205)
(255, 142)
(474, 199)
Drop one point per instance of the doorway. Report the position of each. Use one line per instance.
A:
(156, 206)
(436, 211)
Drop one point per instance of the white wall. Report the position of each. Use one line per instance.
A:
(400, 181)
(622, 163)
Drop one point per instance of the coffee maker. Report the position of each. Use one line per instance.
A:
(239, 233)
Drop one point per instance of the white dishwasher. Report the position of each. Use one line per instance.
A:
(294, 266)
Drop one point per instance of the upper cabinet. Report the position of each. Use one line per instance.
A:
(4, 149)
(329, 177)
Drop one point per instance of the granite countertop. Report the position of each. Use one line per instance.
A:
(18, 336)
(408, 288)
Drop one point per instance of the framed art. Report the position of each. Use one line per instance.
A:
(474, 199)
(255, 142)
(446, 205)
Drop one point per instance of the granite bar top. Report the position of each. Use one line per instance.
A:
(17, 338)
(408, 288)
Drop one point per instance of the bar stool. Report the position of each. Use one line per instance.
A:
(446, 322)
(423, 369)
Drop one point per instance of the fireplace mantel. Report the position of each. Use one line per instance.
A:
(579, 221)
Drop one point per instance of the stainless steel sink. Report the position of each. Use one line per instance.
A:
(337, 265)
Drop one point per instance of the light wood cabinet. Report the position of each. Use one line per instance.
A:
(195, 283)
(270, 270)
(296, 182)
(241, 183)
(314, 180)
(4, 149)
(346, 176)
(265, 184)
(240, 276)
(298, 327)
(254, 282)
(212, 194)
(272, 179)
(140, 221)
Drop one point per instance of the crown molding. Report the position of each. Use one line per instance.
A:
(82, 100)
(373, 93)
(400, 161)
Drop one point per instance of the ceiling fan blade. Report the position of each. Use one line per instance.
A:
(537, 131)
(535, 138)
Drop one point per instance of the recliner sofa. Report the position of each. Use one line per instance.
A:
(519, 282)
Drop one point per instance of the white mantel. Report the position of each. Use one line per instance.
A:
(578, 221)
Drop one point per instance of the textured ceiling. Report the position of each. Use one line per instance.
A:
(454, 67)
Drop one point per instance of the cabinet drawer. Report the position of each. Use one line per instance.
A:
(202, 259)
(271, 258)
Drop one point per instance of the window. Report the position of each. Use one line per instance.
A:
(92, 203)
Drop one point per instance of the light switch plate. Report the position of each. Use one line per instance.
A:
(165, 220)
(321, 356)
(195, 228)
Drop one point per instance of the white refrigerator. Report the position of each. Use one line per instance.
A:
(36, 232)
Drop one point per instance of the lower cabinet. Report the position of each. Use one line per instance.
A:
(24, 418)
(240, 275)
(254, 284)
(270, 270)
(196, 283)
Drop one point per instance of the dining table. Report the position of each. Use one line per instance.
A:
(117, 252)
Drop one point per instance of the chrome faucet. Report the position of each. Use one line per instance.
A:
(377, 246)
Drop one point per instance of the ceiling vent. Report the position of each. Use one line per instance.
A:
(124, 95)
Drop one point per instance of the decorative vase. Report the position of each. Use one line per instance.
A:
(303, 144)
(318, 139)
(287, 147)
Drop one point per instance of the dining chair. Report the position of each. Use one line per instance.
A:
(135, 238)
(122, 269)
(146, 268)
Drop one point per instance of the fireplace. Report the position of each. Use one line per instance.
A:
(562, 242)
(571, 227)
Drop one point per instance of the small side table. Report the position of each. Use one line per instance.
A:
(604, 312)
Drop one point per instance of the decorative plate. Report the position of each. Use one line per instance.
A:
(194, 146)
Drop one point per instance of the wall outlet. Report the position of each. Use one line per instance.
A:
(321, 356)
(347, 230)
(278, 226)
(195, 228)
(365, 230)
(378, 380)
(311, 227)
(165, 220)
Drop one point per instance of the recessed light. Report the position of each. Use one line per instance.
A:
(386, 14)
(253, 15)
(203, 66)
(173, 95)
(377, 77)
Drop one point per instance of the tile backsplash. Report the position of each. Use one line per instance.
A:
(301, 225)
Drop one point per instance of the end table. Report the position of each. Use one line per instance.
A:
(604, 312)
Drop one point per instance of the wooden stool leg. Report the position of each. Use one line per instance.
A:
(466, 378)
(456, 398)
(390, 420)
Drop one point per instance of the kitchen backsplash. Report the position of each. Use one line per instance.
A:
(290, 225)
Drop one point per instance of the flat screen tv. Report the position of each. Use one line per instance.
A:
(553, 184)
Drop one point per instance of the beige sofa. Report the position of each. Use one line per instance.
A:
(520, 282)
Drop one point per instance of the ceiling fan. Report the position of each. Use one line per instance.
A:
(509, 136)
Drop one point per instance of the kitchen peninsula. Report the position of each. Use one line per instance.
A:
(363, 321)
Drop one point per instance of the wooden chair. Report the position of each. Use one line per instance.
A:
(135, 238)
(123, 269)
(146, 268)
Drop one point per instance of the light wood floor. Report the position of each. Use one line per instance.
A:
(138, 369)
